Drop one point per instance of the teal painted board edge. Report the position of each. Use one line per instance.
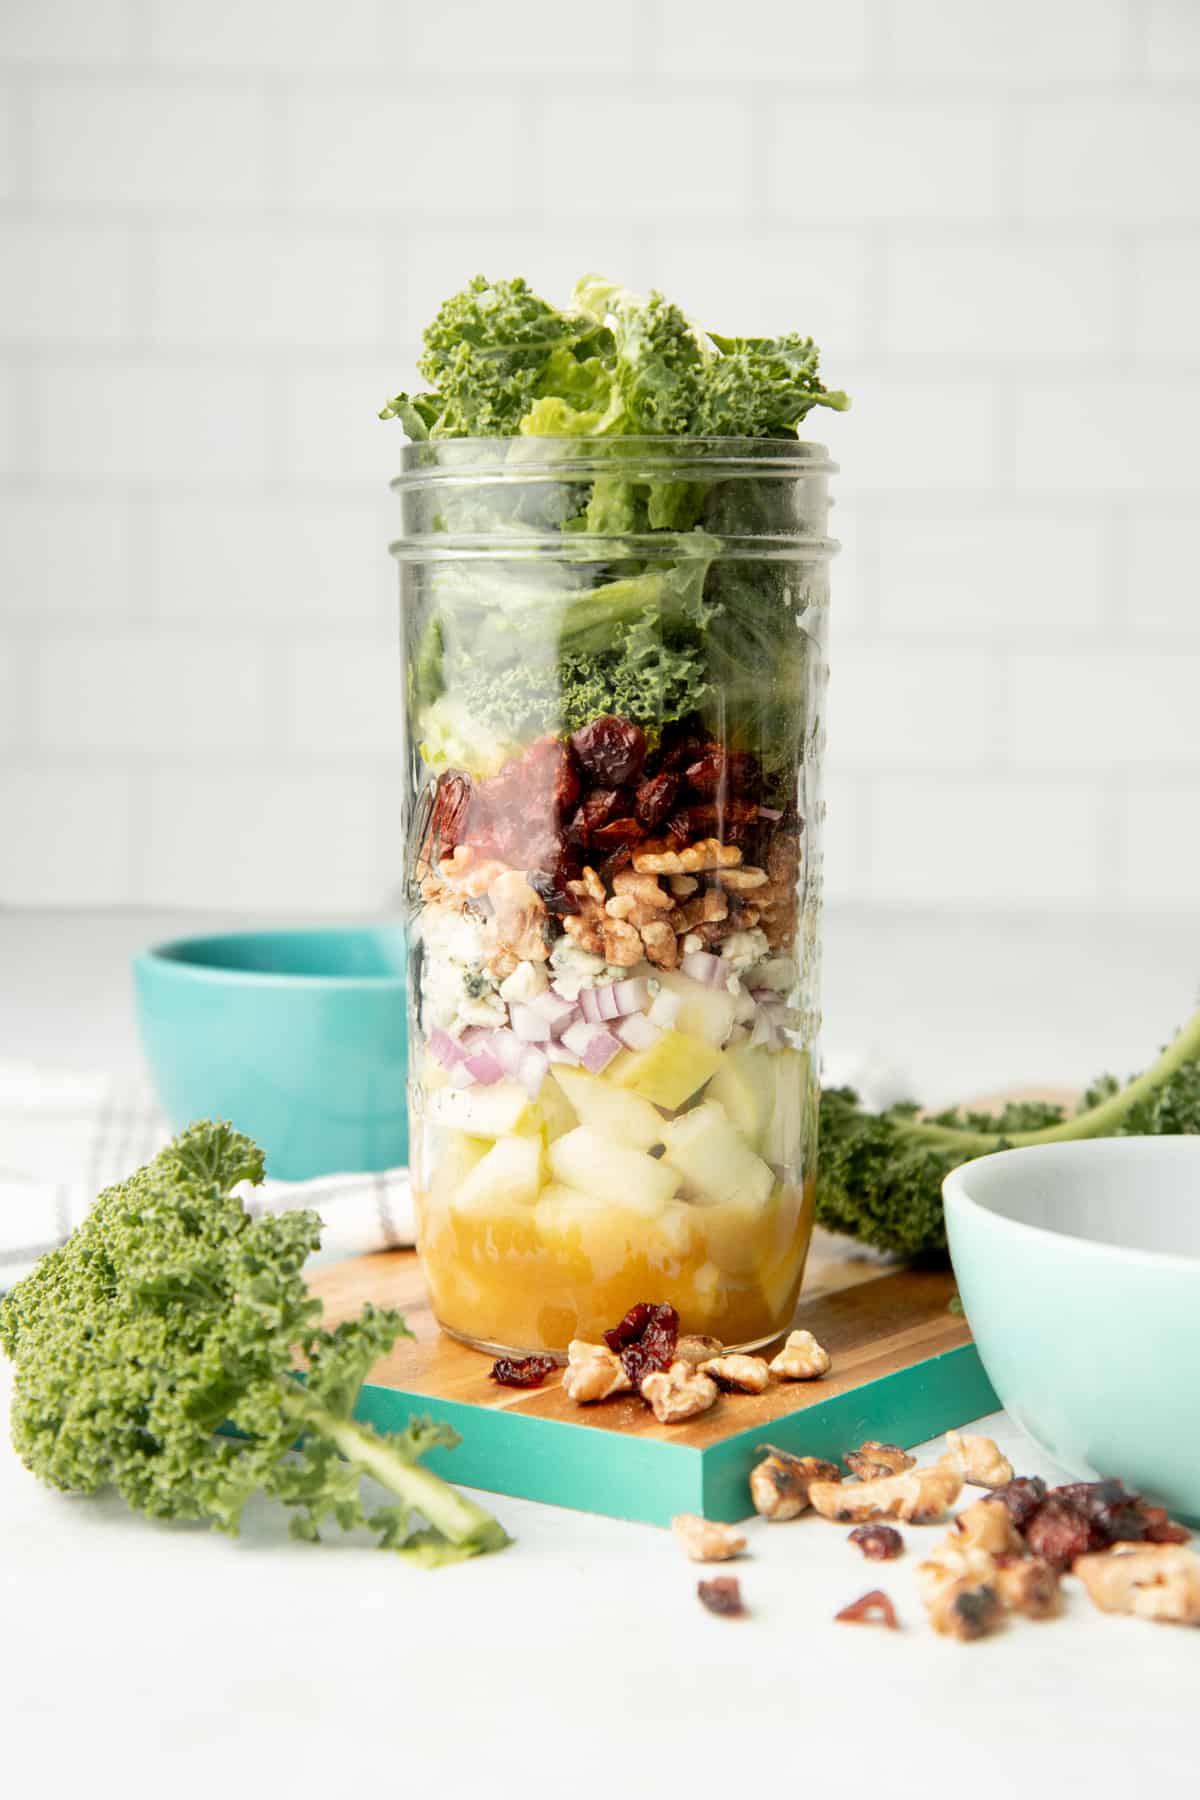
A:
(904, 1408)
(644, 1479)
(544, 1459)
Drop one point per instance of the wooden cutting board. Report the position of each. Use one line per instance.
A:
(904, 1368)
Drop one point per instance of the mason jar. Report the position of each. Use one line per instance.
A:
(615, 678)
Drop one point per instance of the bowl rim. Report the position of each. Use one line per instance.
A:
(163, 956)
(956, 1197)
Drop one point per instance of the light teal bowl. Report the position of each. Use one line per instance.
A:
(1078, 1265)
(299, 1037)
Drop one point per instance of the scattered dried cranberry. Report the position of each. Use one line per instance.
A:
(873, 1609)
(611, 748)
(679, 826)
(645, 1340)
(732, 813)
(722, 1595)
(682, 741)
(521, 1372)
(655, 799)
(520, 812)
(618, 859)
(707, 775)
(1059, 1531)
(878, 1543)
(1022, 1496)
(1160, 1528)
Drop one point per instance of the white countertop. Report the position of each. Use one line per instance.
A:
(137, 1660)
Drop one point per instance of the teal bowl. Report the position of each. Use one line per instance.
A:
(1078, 1265)
(299, 1037)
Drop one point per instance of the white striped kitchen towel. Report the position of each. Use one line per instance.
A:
(65, 1136)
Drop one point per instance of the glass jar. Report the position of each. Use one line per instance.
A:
(615, 673)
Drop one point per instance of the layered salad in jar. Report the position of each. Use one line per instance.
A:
(614, 590)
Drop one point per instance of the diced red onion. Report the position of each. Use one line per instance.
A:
(506, 1047)
(710, 971)
(631, 996)
(531, 1070)
(483, 1065)
(444, 1047)
(589, 1005)
(558, 1053)
(530, 1026)
(557, 1012)
(461, 1076)
(636, 1032)
(594, 1046)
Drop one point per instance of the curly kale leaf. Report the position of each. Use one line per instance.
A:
(762, 387)
(171, 1312)
(879, 1175)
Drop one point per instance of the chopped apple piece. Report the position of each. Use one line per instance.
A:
(715, 1161)
(490, 1112)
(609, 1109)
(704, 1012)
(745, 1087)
(625, 1178)
(552, 1114)
(670, 1072)
(783, 1140)
(509, 1175)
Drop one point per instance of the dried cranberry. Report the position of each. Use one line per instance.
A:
(1022, 1496)
(878, 1543)
(719, 818)
(521, 1372)
(873, 1609)
(611, 748)
(722, 1595)
(683, 740)
(655, 799)
(618, 832)
(1059, 1531)
(1159, 1528)
(618, 859)
(451, 799)
(645, 1340)
(555, 898)
(521, 810)
(707, 775)
(601, 805)
(679, 826)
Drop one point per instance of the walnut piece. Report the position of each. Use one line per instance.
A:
(704, 1540)
(696, 1350)
(1153, 1581)
(647, 890)
(740, 881)
(468, 872)
(977, 1459)
(737, 1374)
(682, 885)
(655, 857)
(801, 1359)
(1027, 1584)
(661, 944)
(964, 1609)
(679, 1393)
(872, 1460)
(987, 1525)
(779, 1485)
(518, 918)
(593, 1373)
(918, 1495)
(708, 908)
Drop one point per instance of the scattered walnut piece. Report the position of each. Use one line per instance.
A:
(1027, 1584)
(593, 1373)
(737, 1374)
(661, 944)
(878, 1543)
(987, 1525)
(682, 885)
(679, 1393)
(873, 1609)
(1154, 1581)
(978, 1460)
(964, 1610)
(697, 1350)
(779, 1485)
(657, 858)
(722, 1595)
(518, 918)
(704, 1540)
(708, 908)
(918, 1495)
(873, 1460)
(801, 1359)
(646, 889)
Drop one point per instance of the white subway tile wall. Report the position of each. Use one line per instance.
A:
(224, 223)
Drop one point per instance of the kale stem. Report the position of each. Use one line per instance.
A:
(1097, 1121)
(459, 1520)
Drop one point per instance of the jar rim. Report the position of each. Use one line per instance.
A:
(432, 459)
